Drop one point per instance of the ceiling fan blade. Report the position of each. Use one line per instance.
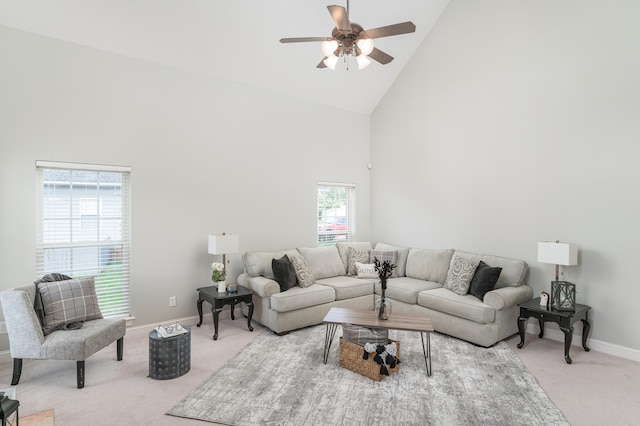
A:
(380, 56)
(340, 18)
(322, 64)
(391, 30)
(302, 39)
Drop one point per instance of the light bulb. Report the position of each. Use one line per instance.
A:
(331, 61)
(363, 61)
(329, 47)
(365, 45)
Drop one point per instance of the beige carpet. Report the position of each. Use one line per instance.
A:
(44, 418)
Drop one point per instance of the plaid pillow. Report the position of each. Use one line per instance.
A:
(391, 256)
(361, 335)
(69, 301)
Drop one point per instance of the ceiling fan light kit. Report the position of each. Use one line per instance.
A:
(350, 39)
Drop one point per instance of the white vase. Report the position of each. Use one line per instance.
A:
(222, 286)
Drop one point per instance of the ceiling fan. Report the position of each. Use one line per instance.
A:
(349, 38)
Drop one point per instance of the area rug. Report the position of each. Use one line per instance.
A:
(281, 380)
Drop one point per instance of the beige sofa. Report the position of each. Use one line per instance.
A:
(418, 288)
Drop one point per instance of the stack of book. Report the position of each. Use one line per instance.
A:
(170, 330)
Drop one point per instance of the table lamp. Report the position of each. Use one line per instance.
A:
(563, 293)
(223, 244)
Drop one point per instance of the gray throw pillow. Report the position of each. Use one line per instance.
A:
(459, 276)
(284, 272)
(66, 302)
(383, 255)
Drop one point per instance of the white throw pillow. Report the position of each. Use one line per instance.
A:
(366, 270)
(460, 275)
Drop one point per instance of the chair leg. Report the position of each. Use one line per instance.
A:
(17, 371)
(119, 348)
(80, 374)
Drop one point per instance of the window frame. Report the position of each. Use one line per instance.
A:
(65, 244)
(329, 229)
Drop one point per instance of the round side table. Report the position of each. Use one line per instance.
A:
(169, 357)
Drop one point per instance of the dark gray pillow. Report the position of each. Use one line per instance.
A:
(484, 280)
(284, 272)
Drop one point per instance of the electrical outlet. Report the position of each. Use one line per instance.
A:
(3, 328)
(172, 301)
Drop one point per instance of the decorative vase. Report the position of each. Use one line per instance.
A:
(222, 286)
(383, 307)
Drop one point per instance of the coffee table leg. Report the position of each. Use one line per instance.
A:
(328, 339)
(426, 350)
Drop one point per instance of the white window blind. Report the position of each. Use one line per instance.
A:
(83, 228)
(336, 212)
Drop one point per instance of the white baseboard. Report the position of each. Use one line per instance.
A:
(593, 344)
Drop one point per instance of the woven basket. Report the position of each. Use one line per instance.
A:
(351, 358)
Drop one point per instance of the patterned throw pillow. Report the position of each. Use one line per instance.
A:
(354, 255)
(460, 274)
(366, 270)
(391, 256)
(284, 272)
(66, 302)
(303, 271)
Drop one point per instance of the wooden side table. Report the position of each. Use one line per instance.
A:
(565, 319)
(218, 300)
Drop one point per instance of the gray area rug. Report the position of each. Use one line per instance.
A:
(281, 380)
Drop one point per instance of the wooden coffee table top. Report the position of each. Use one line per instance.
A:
(411, 322)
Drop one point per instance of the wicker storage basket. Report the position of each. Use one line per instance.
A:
(351, 358)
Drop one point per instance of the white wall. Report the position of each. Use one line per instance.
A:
(207, 157)
(518, 122)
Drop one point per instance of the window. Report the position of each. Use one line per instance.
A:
(336, 212)
(84, 228)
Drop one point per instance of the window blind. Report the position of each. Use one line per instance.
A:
(336, 212)
(84, 228)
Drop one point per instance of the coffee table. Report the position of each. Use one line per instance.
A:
(410, 322)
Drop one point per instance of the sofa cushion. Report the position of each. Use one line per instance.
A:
(343, 250)
(304, 274)
(258, 263)
(69, 301)
(348, 287)
(383, 256)
(484, 280)
(513, 271)
(467, 306)
(406, 289)
(429, 265)
(284, 273)
(403, 252)
(460, 273)
(298, 298)
(325, 261)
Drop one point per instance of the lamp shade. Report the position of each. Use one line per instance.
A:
(223, 244)
(557, 253)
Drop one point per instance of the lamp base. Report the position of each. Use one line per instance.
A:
(563, 296)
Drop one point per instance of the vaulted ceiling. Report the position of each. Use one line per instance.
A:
(237, 40)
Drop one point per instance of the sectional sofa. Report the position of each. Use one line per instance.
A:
(424, 281)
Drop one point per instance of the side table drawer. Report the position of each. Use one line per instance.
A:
(543, 316)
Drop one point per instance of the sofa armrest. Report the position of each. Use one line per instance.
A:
(506, 297)
(262, 286)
